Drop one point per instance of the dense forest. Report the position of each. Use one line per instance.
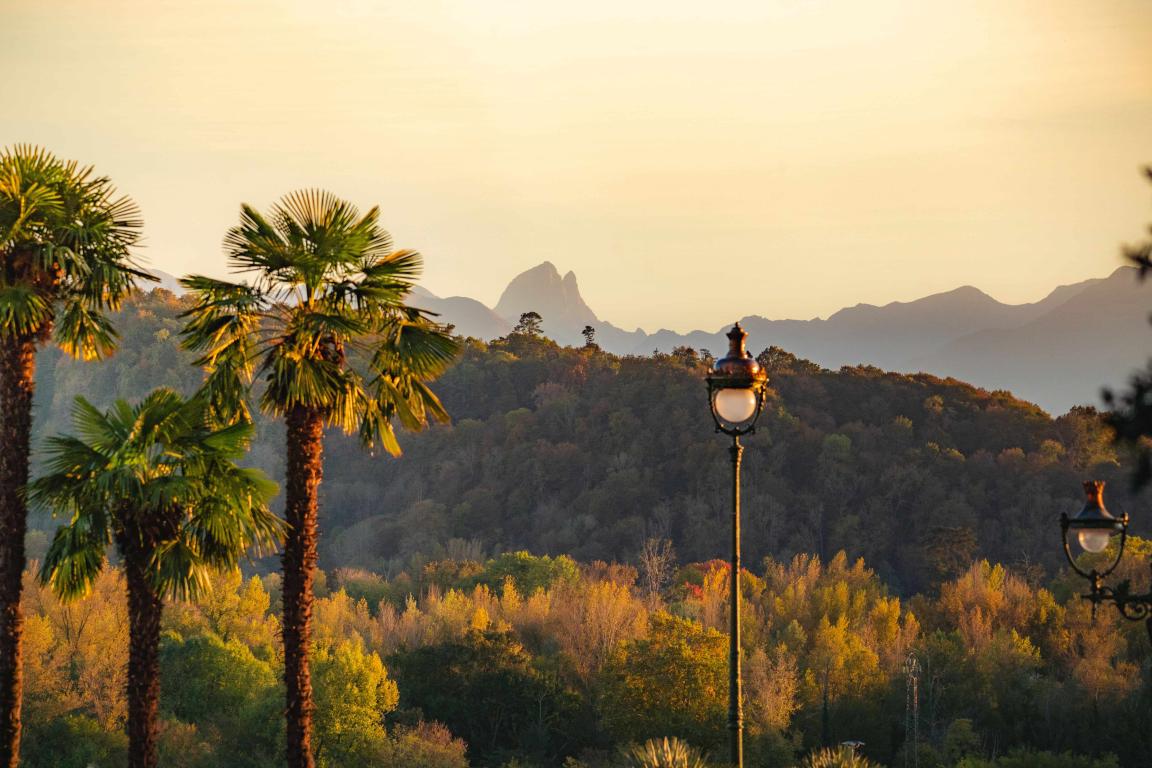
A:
(888, 518)
(573, 451)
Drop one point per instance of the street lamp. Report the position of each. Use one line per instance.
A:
(1094, 527)
(736, 392)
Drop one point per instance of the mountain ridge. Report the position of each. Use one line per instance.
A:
(950, 333)
(1058, 352)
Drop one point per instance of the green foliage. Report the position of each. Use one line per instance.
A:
(960, 740)
(73, 741)
(1026, 759)
(486, 690)
(323, 323)
(673, 682)
(353, 693)
(663, 753)
(66, 240)
(529, 572)
(232, 697)
(838, 757)
(160, 480)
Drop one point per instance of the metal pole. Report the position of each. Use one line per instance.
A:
(735, 698)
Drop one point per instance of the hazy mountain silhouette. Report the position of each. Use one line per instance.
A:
(1093, 338)
(557, 299)
(1057, 352)
(470, 317)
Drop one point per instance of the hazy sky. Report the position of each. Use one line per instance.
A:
(692, 162)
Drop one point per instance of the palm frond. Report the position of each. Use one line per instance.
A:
(179, 571)
(323, 324)
(96, 429)
(162, 473)
(66, 235)
(23, 310)
(73, 561)
(83, 333)
(298, 377)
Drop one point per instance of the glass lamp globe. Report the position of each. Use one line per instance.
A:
(1094, 540)
(736, 406)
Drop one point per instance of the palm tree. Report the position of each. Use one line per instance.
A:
(325, 328)
(161, 483)
(65, 242)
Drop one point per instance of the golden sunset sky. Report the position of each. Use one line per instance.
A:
(692, 162)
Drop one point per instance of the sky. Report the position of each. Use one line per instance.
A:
(691, 162)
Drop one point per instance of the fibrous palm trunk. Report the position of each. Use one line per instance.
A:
(144, 611)
(17, 372)
(305, 450)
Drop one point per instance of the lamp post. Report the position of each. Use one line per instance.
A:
(736, 393)
(1094, 527)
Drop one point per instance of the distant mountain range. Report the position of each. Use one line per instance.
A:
(1057, 352)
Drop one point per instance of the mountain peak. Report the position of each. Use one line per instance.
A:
(545, 269)
(557, 299)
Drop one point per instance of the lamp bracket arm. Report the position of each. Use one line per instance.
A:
(1119, 551)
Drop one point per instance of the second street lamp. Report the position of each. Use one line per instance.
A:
(1094, 527)
(736, 392)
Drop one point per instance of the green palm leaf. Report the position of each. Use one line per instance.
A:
(66, 238)
(322, 324)
(162, 478)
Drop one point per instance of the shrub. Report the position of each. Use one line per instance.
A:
(663, 753)
(840, 757)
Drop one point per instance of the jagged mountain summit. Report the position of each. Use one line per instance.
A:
(557, 299)
(1058, 352)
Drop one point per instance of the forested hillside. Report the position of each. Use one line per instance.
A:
(574, 451)
(887, 518)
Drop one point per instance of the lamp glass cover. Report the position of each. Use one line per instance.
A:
(1094, 540)
(736, 406)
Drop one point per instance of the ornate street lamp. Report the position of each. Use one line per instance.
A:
(1095, 527)
(736, 391)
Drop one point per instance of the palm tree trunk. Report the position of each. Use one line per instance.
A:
(17, 382)
(305, 451)
(144, 610)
